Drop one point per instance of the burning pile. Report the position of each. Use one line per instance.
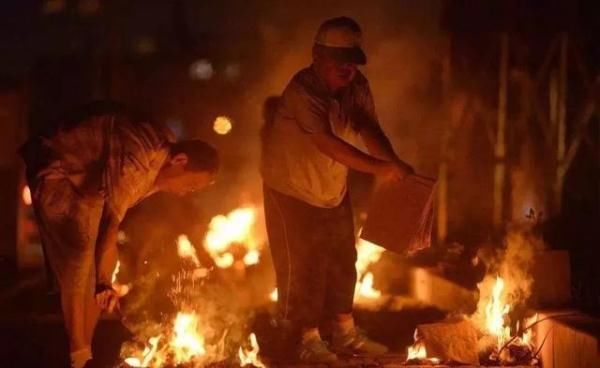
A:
(205, 330)
(488, 337)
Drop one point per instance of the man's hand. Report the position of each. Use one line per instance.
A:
(107, 298)
(396, 170)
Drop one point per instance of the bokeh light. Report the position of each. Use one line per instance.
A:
(201, 70)
(222, 125)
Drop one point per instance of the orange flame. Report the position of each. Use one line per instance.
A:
(148, 354)
(419, 351)
(186, 343)
(237, 228)
(250, 356)
(186, 250)
(496, 312)
(367, 254)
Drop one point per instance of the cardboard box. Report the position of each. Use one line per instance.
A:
(400, 217)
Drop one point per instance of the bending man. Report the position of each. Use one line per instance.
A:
(84, 176)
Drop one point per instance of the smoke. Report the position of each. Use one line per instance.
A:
(513, 263)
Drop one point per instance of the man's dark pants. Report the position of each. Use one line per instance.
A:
(314, 254)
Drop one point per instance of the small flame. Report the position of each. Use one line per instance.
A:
(187, 343)
(148, 354)
(250, 356)
(222, 125)
(367, 254)
(366, 287)
(418, 351)
(116, 272)
(121, 289)
(26, 195)
(496, 312)
(274, 295)
(186, 250)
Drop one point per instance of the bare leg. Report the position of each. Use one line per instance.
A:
(92, 314)
(73, 307)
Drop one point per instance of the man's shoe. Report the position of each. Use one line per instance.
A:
(356, 342)
(315, 351)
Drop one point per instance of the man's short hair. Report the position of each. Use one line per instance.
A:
(201, 155)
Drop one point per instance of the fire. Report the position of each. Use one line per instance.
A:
(235, 228)
(418, 352)
(186, 250)
(495, 313)
(274, 295)
(367, 254)
(121, 289)
(186, 343)
(252, 257)
(222, 125)
(148, 354)
(115, 272)
(365, 288)
(250, 356)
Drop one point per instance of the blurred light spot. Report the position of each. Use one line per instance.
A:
(145, 46)
(232, 71)
(222, 125)
(122, 237)
(53, 6)
(252, 257)
(201, 70)
(26, 195)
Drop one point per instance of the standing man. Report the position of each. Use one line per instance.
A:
(84, 176)
(306, 156)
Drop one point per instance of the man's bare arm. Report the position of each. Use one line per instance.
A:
(106, 258)
(379, 146)
(348, 155)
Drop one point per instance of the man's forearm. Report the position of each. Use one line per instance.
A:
(347, 154)
(378, 144)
